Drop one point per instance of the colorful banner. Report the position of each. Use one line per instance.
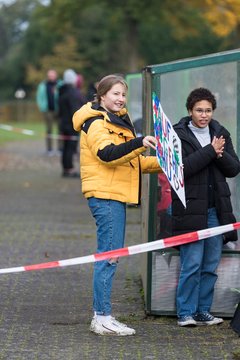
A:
(169, 153)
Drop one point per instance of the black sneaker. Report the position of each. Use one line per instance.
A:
(186, 320)
(205, 318)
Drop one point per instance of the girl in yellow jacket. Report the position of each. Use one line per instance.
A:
(111, 163)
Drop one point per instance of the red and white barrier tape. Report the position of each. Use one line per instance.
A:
(63, 137)
(31, 133)
(131, 250)
(18, 130)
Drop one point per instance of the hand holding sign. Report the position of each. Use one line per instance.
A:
(150, 141)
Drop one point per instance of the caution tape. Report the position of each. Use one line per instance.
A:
(131, 250)
(18, 130)
(63, 137)
(32, 133)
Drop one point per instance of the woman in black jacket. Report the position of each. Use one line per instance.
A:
(208, 158)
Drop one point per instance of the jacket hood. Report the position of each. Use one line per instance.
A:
(70, 77)
(89, 111)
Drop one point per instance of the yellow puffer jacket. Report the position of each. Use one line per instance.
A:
(117, 178)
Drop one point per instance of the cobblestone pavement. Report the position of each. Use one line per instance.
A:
(46, 314)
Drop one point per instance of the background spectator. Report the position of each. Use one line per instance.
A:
(47, 101)
(70, 100)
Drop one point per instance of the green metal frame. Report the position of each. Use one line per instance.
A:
(151, 75)
(212, 59)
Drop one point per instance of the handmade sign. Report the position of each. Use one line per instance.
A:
(169, 153)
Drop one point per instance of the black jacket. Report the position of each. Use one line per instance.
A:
(70, 100)
(205, 181)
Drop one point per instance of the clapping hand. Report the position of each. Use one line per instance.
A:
(218, 145)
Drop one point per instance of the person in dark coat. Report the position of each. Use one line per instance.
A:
(47, 102)
(70, 100)
(208, 159)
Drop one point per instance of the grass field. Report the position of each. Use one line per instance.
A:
(15, 132)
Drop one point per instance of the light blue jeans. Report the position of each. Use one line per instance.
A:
(110, 217)
(199, 261)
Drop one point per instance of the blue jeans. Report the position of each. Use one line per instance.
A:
(110, 217)
(199, 261)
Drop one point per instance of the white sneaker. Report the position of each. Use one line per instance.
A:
(122, 325)
(110, 327)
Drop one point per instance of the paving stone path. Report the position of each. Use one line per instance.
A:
(45, 315)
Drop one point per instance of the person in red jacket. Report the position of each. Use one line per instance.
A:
(164, 227)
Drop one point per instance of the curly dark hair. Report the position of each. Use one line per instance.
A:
(199, 95)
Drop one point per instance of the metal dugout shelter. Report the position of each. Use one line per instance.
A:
(172, 82)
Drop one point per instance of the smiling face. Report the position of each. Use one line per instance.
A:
(115, 99)
(201, 113)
